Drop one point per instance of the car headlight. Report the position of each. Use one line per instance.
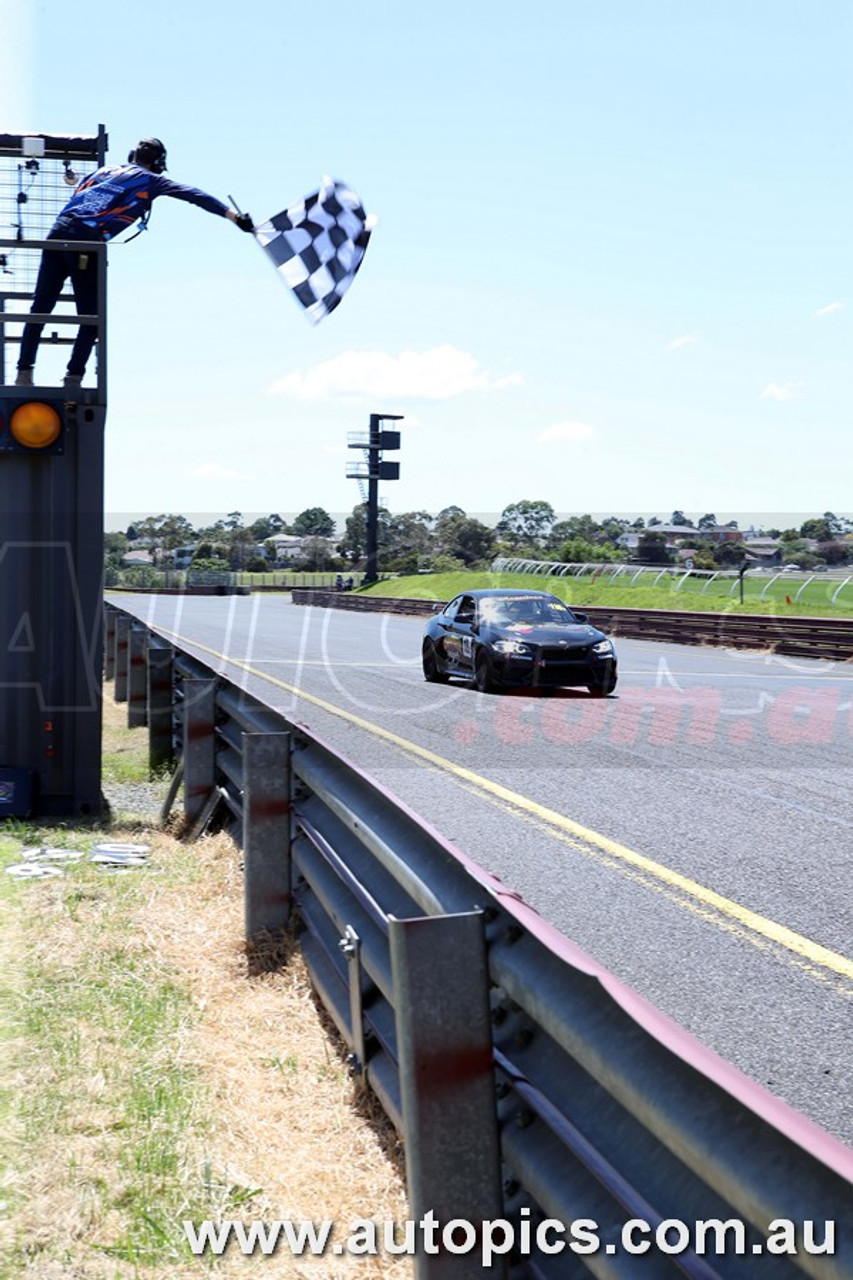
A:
(603, 646)
(513, 646)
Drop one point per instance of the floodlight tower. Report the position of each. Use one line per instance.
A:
(51, 500)
(374, 469)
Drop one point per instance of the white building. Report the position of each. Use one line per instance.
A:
(284, 548)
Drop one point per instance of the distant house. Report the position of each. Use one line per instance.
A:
(675, 533)
(715, 533)
(182, 556)
(284, 548)
(136, 558)
(765, 552)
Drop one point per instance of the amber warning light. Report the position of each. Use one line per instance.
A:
(33, 425)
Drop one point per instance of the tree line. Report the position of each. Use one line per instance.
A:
(417, 541)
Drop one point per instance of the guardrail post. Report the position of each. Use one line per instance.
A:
(121, 657)
(447, 1081)
(109, 642)
(199, 745)
(161, 660)
(137, 679)
(266, 832)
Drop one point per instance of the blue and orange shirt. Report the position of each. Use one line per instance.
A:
(111, 199)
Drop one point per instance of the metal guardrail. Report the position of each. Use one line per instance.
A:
(225, 579)
(287, 579)
(528, 1083)
(796, 637)
(201, 584)
(363, 603)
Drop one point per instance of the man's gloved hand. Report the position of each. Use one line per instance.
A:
(244, 222)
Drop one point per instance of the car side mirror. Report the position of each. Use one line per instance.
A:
(581, 617)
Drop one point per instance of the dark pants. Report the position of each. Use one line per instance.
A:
(57, 266)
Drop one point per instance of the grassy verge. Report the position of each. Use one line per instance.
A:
(815, 601)
(152, 1075)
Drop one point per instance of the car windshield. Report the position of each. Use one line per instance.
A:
(525, 610)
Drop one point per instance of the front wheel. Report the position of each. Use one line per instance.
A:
(432, 667)
(484, 681)
(604, 688)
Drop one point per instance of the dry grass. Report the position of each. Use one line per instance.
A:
(156, 1073)
(287, 1116)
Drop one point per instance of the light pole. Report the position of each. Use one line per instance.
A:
(374, 469)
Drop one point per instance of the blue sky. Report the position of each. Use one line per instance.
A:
(612, 268)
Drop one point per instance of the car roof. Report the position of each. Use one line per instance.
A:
(485, 593)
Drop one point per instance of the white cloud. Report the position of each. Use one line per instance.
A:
(831, 308)
(438, 374)
(782, 391)
(562, 431)
(215, 471)
(683, 340)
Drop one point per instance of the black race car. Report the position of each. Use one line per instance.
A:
(507, 638)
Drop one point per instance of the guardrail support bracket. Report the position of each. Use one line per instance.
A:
(350, 945)
(266, 832)
(447, 1086)
(199, 745)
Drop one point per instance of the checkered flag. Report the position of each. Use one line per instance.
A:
(318, 245)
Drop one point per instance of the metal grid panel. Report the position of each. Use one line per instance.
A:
(33, 189)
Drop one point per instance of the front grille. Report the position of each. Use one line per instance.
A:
(575, 653)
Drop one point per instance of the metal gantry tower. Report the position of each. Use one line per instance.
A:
(51, 501)
(373, 469)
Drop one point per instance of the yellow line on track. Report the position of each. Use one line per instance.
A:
(794, 942)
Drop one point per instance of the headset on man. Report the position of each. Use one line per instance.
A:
(151, 153)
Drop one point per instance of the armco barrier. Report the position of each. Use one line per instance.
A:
(363, 603)
(193, 590)
(525, 1079)
(796, 637)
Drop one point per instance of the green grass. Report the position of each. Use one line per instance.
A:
(603, 592)
(141, 1070)
(106, 1104)
(97, 1099)
(125, 758)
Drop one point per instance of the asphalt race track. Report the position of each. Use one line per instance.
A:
(693, 832)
